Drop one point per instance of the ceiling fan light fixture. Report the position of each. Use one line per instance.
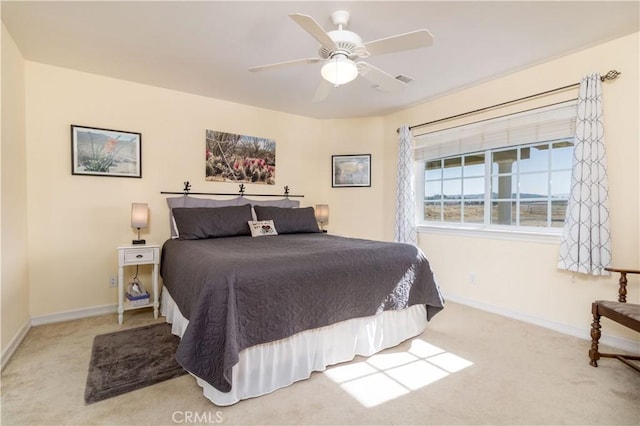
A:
(339, 70)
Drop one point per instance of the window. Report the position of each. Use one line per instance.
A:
(523, 185)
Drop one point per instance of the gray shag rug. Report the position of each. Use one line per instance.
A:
(131, 359)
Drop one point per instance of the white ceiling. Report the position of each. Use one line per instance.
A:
(207, 47)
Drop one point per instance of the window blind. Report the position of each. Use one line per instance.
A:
(540, 124)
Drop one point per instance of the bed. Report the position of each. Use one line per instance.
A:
(261, 297)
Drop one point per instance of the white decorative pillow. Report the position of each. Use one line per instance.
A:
(260, 228)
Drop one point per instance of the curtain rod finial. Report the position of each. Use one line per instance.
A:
(611, 75)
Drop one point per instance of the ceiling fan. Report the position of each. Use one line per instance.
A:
(340, 49)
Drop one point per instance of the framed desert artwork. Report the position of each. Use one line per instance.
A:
(239, 158)
(351, 170)
(105, 152)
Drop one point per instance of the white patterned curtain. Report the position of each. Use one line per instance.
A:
(405, 230)
(586, 238)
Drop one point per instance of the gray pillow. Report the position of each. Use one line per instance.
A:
(284, 202)
(186, 201)
(197, 223)
(289, 221)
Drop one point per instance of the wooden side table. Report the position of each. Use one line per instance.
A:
(148, 254)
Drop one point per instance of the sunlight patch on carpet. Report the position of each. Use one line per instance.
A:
(384, 377)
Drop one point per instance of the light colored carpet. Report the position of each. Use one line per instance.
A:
(490, 370)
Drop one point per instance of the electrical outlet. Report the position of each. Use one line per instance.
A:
(113, 282)
(472, 278)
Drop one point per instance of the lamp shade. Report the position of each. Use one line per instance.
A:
(339, 70)
(139, 215)
(322, 213)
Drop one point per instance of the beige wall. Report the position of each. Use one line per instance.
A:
(13, 214)
(75, 222)
(521, 277)
(354, 211)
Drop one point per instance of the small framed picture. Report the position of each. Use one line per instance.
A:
(351, 170)
(105, 152)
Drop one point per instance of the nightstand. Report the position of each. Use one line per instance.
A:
(148, 254)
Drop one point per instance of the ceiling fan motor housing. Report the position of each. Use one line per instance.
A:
(347, 42)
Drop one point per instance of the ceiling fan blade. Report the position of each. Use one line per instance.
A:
(382, 80)
(323, 90)
(286, 64)
(312, 27)
(400, 42)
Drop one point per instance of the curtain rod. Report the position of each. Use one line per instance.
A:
(611, 75)
(187, 191)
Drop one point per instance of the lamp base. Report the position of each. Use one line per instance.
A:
(137, 242)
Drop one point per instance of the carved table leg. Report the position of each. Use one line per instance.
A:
(594, 355)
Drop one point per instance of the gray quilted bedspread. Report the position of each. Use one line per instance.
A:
(242, 291)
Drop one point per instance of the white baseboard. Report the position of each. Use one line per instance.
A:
(582, 333)
(50, 319)
(74, 314)
(15, 342)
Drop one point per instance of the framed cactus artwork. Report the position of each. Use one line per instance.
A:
(105, 152)
(239, 158)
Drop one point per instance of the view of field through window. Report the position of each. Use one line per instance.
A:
(525, 185)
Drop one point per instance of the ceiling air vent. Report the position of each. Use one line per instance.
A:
(404, 78)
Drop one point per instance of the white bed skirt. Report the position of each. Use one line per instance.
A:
(270, 366)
